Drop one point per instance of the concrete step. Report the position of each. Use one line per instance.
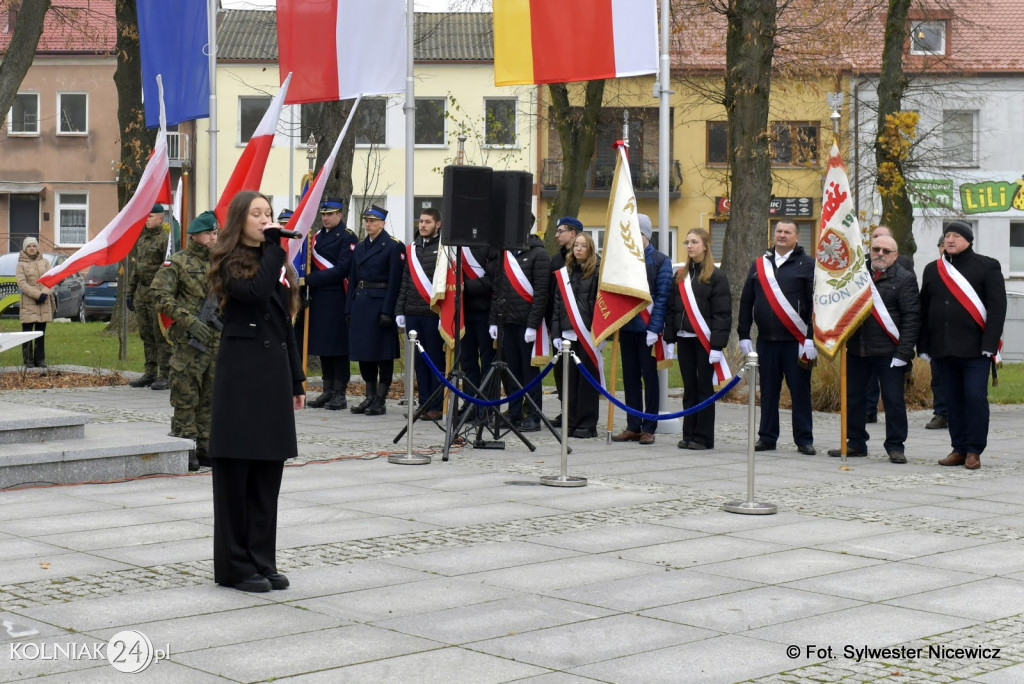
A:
(108, 451)
(21, 423)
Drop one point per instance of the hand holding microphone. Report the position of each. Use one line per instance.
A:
(274, 232)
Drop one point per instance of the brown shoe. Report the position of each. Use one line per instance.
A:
(433, 415)
(626, 436)
(955, 458)
(973, 461)
(647, 438)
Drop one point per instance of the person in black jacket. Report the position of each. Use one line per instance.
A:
(780, 354)
(581, 265)
(257, 386)
(566, 230)
(880, 354)
(329, 262)
(476, 353)
(714, 301)
(413, 311)
(963, 344)
(521, 314)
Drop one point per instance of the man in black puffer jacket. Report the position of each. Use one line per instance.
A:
(883, 347)
(519, 307)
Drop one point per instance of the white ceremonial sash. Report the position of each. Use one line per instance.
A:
(470, 266)
(780, 305)
(968, 298)
(522, 285)
(881, 314)
(722, 371)
(321, 263)
(424, 285)
(583, 335)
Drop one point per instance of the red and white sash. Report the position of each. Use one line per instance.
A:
(664, 352)
(319, 261)
(578, 324)
(424, 285)
(968, 298)
(702, 329)
(780, 305)
(471, 268)
(521, 284)
(881, 315)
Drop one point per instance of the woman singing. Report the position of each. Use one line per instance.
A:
(256, 388)
(700, 315)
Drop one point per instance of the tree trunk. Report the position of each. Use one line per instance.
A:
(136, 140)
(577, 130)
(750, 47)
(897, 211)
(325, 122)
(28, 27)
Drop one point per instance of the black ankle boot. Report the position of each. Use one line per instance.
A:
(371, 393)
(379, 405)
(338, 400)
(325, 396)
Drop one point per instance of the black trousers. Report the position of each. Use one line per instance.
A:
(244, 518)
(519, 357)
(336, 370)
(377, 371)
(698, 385)
(965, 386)
(433, 344)
(34, 350)
(778, 361)
(639, 379)
(864, 374)
(583, 398)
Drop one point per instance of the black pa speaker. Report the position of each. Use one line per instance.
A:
(511, 215)
(466, 207)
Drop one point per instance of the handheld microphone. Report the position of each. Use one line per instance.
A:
(293, 234)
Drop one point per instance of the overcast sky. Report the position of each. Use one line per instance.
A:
(421, 5)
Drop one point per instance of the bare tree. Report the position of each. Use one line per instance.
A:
(27, 16)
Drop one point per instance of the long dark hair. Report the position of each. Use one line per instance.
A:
(229, 258)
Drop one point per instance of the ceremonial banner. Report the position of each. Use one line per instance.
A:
(842, 280)
(543, 41)
(622, 290)
(442, 299)
(334, 48)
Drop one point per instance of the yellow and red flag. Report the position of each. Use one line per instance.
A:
(842, 281)
(622, 289)
(442, 299)
(548, 41)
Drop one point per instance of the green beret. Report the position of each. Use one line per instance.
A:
(203, 223)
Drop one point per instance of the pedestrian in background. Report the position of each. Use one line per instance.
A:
(37, 301)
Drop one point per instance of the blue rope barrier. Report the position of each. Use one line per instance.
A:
(483, 402)
(656, 416)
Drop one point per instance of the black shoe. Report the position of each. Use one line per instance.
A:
(683, 444)
(871, 418)
(836, 453)
(584, 433)
(203, 458)
(937, 423)
(807, 450)
(530, 424)
(697, 446)
(278, 581)
(371, 394)
(337, 402)
(897, 457)
(256, 584)
(144, 381)
(193, 461)
(321, 400)
(160, 384)
(761, 446)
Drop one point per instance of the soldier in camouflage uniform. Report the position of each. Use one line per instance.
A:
(147, 256)
(179, 290)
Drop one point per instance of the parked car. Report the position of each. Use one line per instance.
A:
(69, 292)
(100, 292)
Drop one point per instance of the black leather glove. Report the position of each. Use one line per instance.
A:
(41, 298)
(129, 302)
(200, 331)
(272, 235)
(385, 321)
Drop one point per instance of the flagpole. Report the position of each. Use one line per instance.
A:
(842, 401)
(211, 29)
(612, 382)
(410, 124)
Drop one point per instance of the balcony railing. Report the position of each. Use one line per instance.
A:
(174, 146)
(599, 176)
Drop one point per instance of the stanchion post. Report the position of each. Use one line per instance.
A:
(410, 366)
(750, 507)
(563, 480)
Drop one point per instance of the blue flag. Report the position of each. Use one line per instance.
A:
(173, 41)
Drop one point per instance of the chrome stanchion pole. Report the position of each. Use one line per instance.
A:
(750, 507)
(563, 480)
(410, 365)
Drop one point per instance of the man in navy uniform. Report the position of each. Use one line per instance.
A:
(413, 310)
(374, 282)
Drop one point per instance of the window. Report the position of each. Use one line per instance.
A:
(717, 239)
(430, 121)
(718, 143)
(421, 203)
(24, 115)
(500, 122)
(250, 112)
(371, 120)
(72, 218)
(794, 143)
(928, 38)
(1016, 247)
(958, 133)
(73, 108)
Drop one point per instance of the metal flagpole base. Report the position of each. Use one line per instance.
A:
(409, 459)
(563, 481)
(750, 508)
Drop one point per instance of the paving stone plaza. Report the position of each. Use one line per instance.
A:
(472, 571)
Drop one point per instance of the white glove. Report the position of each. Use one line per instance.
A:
(987, 354)
(652, 337)
(714, 356)
(492, 330)
(604, 343)
(897, 363)
(925, 356)
(530, 336)
(440, 324)
(558, 343)
(810, 351)
(746, 346)
(400, 321)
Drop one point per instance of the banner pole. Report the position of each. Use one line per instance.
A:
(612, 382)
(842, 401)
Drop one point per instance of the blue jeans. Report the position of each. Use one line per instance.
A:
(965, 387)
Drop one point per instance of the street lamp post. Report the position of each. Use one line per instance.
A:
(311, 153)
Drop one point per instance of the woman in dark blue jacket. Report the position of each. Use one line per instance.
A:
(256, 387)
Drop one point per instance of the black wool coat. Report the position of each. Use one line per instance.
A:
(328, 334)
(714, 302)
(898, 289)
(258, 368)
(796, 278)
(511, 308)
(584, 292)
(373, 286)
(946, 327)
